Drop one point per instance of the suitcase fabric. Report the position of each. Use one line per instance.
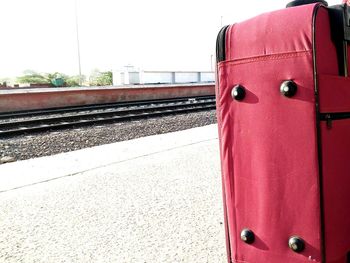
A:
(285, 157)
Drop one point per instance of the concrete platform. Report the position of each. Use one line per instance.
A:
(153, 199)
(41, 98)
(64, 89)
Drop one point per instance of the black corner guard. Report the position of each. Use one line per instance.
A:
(220, 45)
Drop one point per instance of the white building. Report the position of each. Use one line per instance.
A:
(131, 75)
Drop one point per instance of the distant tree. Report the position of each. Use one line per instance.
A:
(73, 81)
(98, 78)
(30, 76)
(58, 79)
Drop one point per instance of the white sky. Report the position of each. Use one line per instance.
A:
(151, 34)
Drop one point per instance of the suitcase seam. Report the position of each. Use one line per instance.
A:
(240, 261)
(266, 57)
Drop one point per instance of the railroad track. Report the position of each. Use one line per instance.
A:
(18, 123)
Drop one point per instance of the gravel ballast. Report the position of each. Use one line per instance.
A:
(49, 143)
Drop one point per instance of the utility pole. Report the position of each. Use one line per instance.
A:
(78, 44)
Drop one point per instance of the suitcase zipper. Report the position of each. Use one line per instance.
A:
(330, 117)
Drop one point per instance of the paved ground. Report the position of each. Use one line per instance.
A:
(154, 199)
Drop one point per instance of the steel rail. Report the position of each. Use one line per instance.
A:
(56, 123)
(79, 116)
(60, 110)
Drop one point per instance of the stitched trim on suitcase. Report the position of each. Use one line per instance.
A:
(268, 57)
(239, 261)
(221, 56)
(318, 132)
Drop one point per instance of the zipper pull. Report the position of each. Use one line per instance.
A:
(329, 121)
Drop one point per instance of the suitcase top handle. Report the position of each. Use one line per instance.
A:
(305, 2)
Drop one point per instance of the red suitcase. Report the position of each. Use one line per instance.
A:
(283, 108)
